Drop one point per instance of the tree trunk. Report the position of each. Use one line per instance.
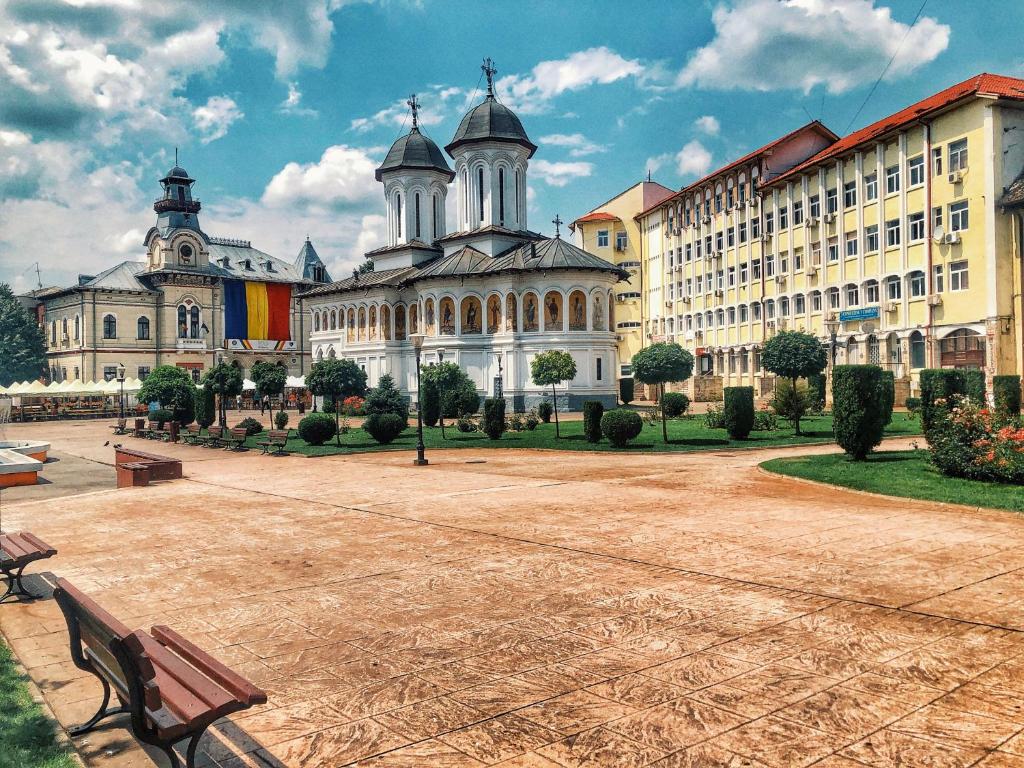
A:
(661, 404)
(554, 402)
(796, 421)
(337, 423)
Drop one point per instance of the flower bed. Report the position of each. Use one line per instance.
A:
(970, 441)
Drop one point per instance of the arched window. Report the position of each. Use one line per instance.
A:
(64, 327)
(143, 328)
(435, 218)
(917, 350)
(316, 321)
(109, 327)
(78, 327)
(480, 190)
(182, 322)
(501, 196)
(334, 319)
(769, 309)
(465, 192)
(398, 216)
(194, 322)
(852, 295)
(53, 332)
(418, 215)
(518, 214)
(784, 306)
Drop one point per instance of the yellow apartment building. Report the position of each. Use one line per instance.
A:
(899, 244)
(612, 231)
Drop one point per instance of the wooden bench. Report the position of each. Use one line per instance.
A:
(138, 468)
(172, 689)
(274, 442)
(235, 439)
(17, 550)
(214, 436)
(121, 427)
(193, 435)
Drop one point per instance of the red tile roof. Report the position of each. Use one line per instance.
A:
(983, 84)
(596, 216)
(813, 125)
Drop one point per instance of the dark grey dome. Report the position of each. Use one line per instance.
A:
(414, 150)
(177, 174)
(491, 121)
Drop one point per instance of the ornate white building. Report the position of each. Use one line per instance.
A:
(489, 296)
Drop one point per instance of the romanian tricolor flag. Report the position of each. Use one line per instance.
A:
(255, 310)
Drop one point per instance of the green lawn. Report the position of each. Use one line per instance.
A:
(26, 735)
(687, 434)
(900, 473)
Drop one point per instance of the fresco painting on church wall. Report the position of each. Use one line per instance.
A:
(531, 312)
(553, 311)
(577, 311)
(471, 315)
(598, 313)
(362, 324)
(611, 312)
(373, 323)
(447, 313)
(385, 322)
(428, 318)
(511, 314)
(400, 323)
(493, 313)
(414, 318)
(351, 325)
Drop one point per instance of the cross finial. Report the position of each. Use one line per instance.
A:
(414, 105)
(490, 71)
(557, 221)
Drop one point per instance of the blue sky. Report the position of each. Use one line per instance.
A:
(282, 110)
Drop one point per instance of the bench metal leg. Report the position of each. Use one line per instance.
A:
(15, 587)
(101, 714)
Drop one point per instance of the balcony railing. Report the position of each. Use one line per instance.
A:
(172, 204)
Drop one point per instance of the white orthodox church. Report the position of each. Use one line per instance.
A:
(489, 296)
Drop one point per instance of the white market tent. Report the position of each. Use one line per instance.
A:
(295, 382)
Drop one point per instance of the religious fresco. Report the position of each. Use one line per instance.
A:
(598, 313)
(493, 313)
(471, 316)
(414, 318)
(385, 322)
(362, 324)
(334, 320)
(447, 314)
(553, 311)
(400, 323)
(511, 314)
(531, 312)
(577, 311)
(428, 318)
(373, 323)
(611, 312)
(351, 335)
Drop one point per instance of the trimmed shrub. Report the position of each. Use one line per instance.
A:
(281, 420)
(161, 416)
(974, 386)
(532, 421)
(675, 404)
(627, 390)
(714, 417)
(464, 402)
(384, 427)
(465, 424)
(592, 413)
(516, 423)
(739, 411)
(620, 426)
(206, 406)
(857, 408)
(328, 405)
(385, 398)
(317, 428)
(816, 388)
(544, 410)
(887, 394)
(1006, 395)
(765, 421)
(967, 441)
(938, 385)
(430, 402)
(251, 425)
(494, 417)
(913, 405)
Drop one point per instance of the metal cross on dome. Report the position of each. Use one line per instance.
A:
(557, 221)
(490, 71)
(414, 105)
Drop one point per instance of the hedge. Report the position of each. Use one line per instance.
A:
(974, 386)
(858, 411)
(1006, 394)
(592, 413)
(675, 404)
(317, 428)
(627, 390)
(938, 384)
(887, 393)
(739, 411)
(206, 406)
(816, 384)
(620, 426)
(493, 423)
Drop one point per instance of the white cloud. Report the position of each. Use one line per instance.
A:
(437, 103)
(215, 117)
(532, 93)
(707, 124)
(768, 45)
(292, 105)
(692, 160)
(341, 179)
(578, 144)
(558, 174)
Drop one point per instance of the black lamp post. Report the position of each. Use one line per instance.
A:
(832, 326)
(440, 394)
(120, 380)
(420, 460)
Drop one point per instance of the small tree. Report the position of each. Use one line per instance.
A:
(173, 388)
(794, 355)
(385, 398)
(738, 411)
(224, 381)
(550, 369)
(206, 407)
(336, 379)
(791, 401)
(659, 364)
(493, 422)
(22, 344)
(269, 379)
(447, 392)
(857, 408)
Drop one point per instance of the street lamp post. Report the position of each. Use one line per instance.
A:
(440, 395)
(832, 326)
(120, 380)
(420, 460)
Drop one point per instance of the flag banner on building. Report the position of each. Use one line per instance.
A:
(257, 311)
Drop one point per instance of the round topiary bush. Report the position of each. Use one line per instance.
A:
(620, 426)
(317, 428)
(739, 411)
(675, 404)
(627, 390)
(251, 425)
(281, 420)
(161, 416)
(593, 410)
(465, 424)
(544, 410)
(384, 427)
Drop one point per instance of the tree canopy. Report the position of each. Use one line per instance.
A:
(660, 364)
(172, 388)
(794, 355)
(551, 368)
(226, 381)
(22, 344)
(336, 379)
(269, 378)
(385, 398)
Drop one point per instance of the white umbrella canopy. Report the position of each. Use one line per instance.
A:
(248, 384)
(295, 382)
(35, 388)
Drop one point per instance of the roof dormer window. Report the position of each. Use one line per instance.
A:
(247, 264)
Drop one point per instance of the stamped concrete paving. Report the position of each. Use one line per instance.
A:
(542, 609)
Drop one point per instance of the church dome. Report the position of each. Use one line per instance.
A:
(417, 152)
(491, 121)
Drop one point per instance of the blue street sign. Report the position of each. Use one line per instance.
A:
(864, 313)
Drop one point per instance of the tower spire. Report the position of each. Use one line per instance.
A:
(557, 221)
(489, 71)
(414, 106)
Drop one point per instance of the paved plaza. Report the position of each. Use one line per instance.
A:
(544, 609)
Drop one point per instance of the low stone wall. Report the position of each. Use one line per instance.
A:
(706, 389)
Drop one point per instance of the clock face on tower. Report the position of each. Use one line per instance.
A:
(185, 254)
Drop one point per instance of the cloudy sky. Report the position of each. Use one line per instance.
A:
(282, 110)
